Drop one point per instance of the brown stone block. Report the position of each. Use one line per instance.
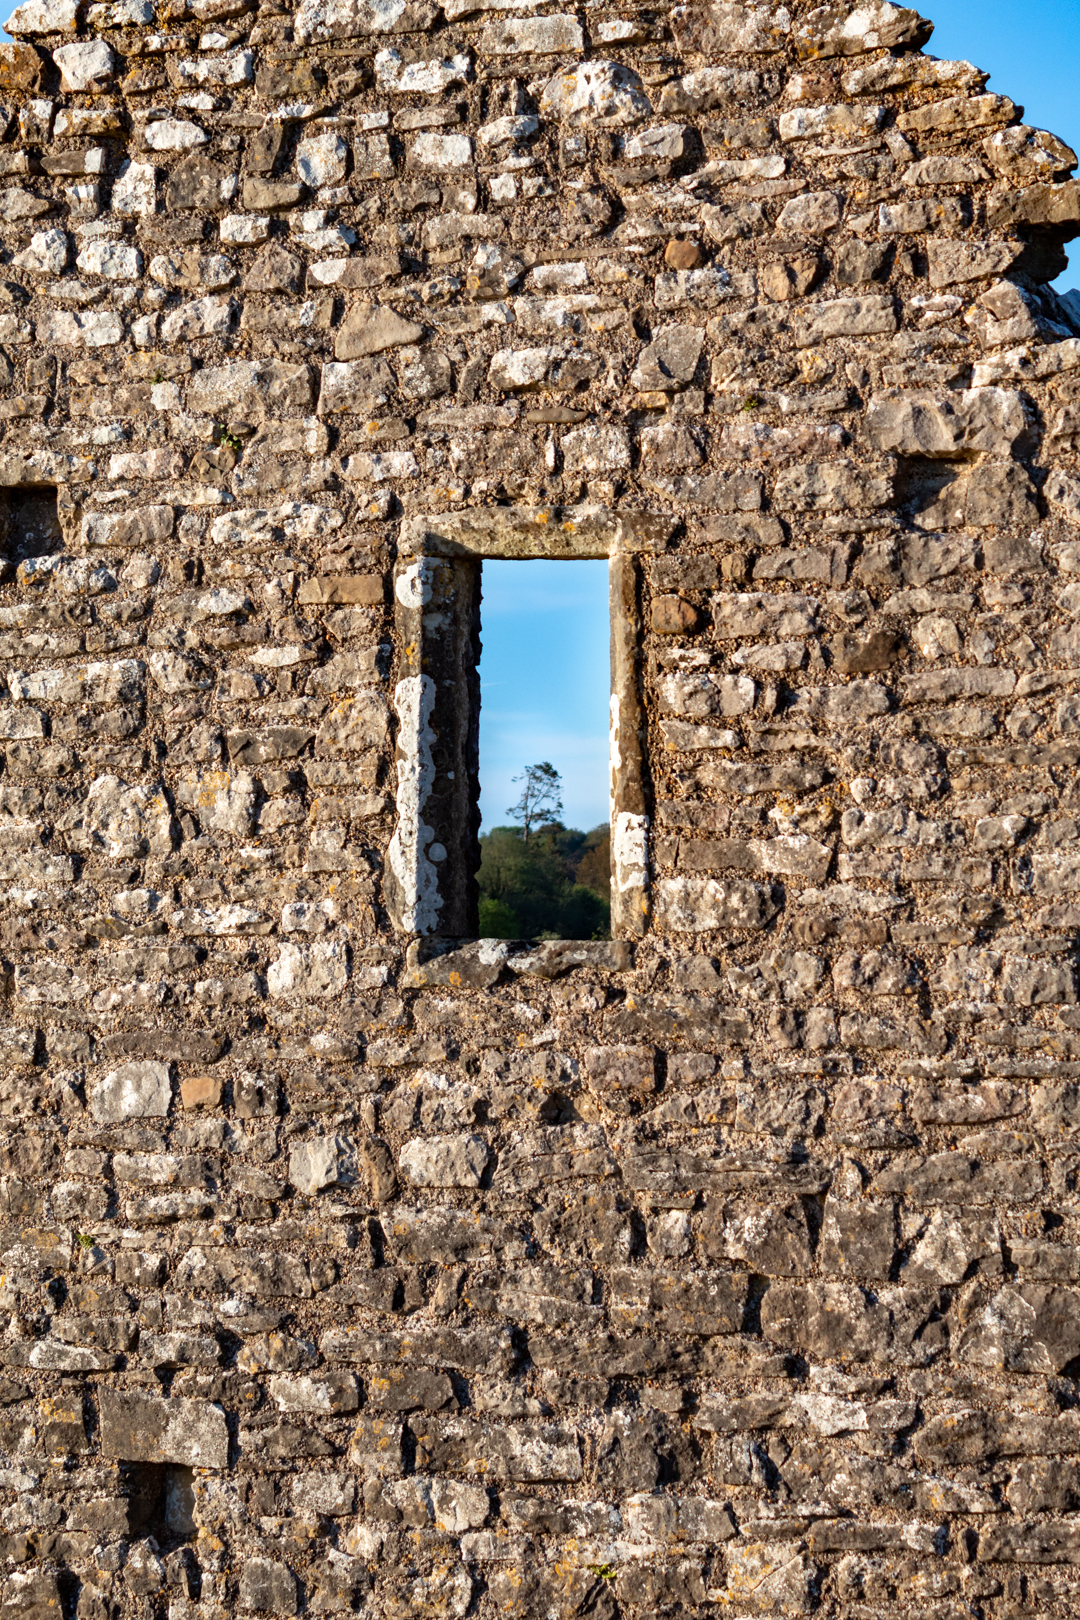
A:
(201, 1091)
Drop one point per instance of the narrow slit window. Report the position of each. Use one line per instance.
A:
(430, 882)
(545, 845)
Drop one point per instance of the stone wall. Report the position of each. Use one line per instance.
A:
(731, 1266)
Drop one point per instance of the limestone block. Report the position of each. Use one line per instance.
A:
(444, 1161)
(133, 1091)
(540, 36)
(174, 135)
(319, 969)
(269, 1586)
(321, 159)
(43, 17)
(86, 66)
(840, 31)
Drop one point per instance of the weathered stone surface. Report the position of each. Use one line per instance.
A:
(670, 360)
(149, 1429)
(698, 905)
(369, 329)
(269, 1586)
(837, 31)
(526, 1452)
(133, 1091)
(445, 1161)
(319, 969)
(122, 822)
(921, 424)
(543, 36)
(896, 1325)
(514, 1258)
(1024, 154)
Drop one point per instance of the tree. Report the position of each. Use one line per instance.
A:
(541, 797)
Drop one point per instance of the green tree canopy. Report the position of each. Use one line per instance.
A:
(553, 886)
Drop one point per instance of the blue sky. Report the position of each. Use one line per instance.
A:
(544, 684)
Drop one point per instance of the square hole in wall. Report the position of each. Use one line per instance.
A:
(29, 522)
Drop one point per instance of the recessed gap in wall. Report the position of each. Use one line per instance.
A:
(545, 689)
(29, 522)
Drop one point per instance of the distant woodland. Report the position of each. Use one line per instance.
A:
(555, 884)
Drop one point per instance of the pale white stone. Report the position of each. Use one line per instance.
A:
(663, 141)
(524, 36)
(245, 228)
(375, 469)
(597, 448)
(122, 14)
(571, 274)
(318, 969)
(759, 168)
(522, 368)
(243, 526)
(205, 317)
(307, 522)
(415, 875)
(134, 189)
(431, 151)
(218, 922)
(70, 576)
(85, 65)
(308, 916)
(174, 135)
(162, 463)
(124, 822)
(503, 130)
(43, 17)
(116, 261)
(214, 270)
(630, 848)
(458, 1506)
(99, 684)
(424, 78)
(165, 396)
(330, 239)
(222, 801)
(133, 1091)
(230, 68)
(321, 159)
(175, 673)
(46, 256)
(95, 329)
(596, 92)
(318, 1163)
(445, 1161)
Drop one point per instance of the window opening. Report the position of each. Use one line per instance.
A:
(429, 875)
(545, 848)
